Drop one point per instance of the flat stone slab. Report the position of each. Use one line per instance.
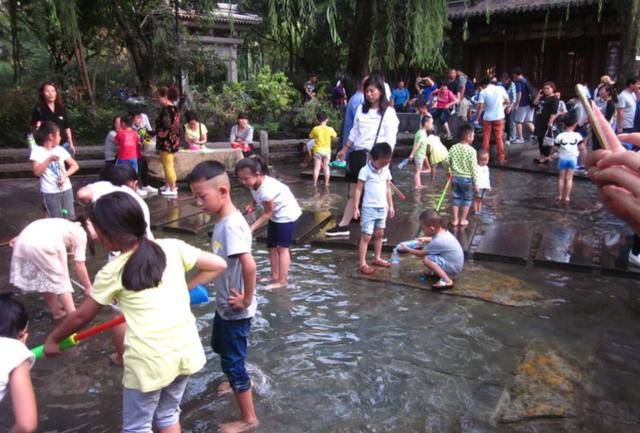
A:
(173, 214)
(544, 385)
(475, 282)
(464, 235)
(335, 173)
(193, 225)
(308, 224)
(158, 203)
(401, 228)
(507, 242)
(185, 161)
(614, 256)
(565, 248)
(549, 203)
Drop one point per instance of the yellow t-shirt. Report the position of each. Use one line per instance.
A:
(323, 135)
(162, 340)
(194, 134)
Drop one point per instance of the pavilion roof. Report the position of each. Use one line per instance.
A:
(457, 8)
(224, 12)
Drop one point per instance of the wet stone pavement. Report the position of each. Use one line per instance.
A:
(516, 347)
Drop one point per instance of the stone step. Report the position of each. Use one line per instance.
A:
(23, 169)
(15, 155)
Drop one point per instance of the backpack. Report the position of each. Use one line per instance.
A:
(533, 92)
(470, 88)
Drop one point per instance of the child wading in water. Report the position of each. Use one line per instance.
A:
(281, 210)
(569, 144)
(443, 255)
(322, 134)
(15, 363)
(483, 183)
(53, 165)
(377, 202)
(236, 303)
(464, 167)
(427, 151)
(162, 345)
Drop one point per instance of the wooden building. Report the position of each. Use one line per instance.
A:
(564, 41)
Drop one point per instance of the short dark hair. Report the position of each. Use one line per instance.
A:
(381, 150)
(206, 170)
(430, 217)
(570, 118)
(464, 130)
(118, 175)
(516, 71)
(425, 118)
(485, 81)
(443, 84)
(321, 116)
(13, 317)
(191, 115)
(255, 165)
(243, 116)
(631, 81)
(126, 120)
(43, 132)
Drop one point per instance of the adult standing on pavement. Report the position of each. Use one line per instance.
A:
(51, 108)
(168, 137)
(626, 107)
(491, 106)
(546, 103)
(509, 122)
(356, 100)
(523, 104)
(400, 96)
(375, 122)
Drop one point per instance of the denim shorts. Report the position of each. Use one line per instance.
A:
(132, 162)
(229, 340)
(568, 163)
(372, 218)
(161, 408)
(462, 191)
(442, 262)
(280, 234)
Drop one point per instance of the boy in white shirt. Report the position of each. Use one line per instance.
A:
(374, 179)
(569, 144)
(483, 181)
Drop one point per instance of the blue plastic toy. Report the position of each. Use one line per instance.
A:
(199, 294)
(338, 164)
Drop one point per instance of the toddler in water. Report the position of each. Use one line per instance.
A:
(443, 255)
(322, 134)
(377, 202)
(162, 344)
(15, 363)
(483, 181)
(235, 300)
(569, 144)
(281, 210)
(464, 168)
(128, 142)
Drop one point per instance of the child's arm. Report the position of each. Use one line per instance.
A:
(414, 149)
(239, 301)
(23, 400)
(356, 199)
(72, 167)
(392, 210)
(83, 275)
(415, 251)
(74, 321)
(266, 215)
(39, 167)
(251, 206)
(210, 266)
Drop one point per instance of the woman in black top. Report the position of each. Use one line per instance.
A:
(546, 103)
(168, 136)
(50, 108)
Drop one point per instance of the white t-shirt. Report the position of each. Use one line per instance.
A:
(627, 101)
(493, 98)
(14, 353)
(568, 143)
(483, 180)
(376, 183)
(103, 187)
(49, 178)
(285, 205)
(365, 126)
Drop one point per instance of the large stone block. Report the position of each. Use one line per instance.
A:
(185, 161)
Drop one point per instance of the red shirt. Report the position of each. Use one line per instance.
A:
(127, 141)
(443, 98)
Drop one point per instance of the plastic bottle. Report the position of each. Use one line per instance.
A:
(403, 163)
(395, 263)
(31, 141)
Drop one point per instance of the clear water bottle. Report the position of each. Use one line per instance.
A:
(403, 163)
(31, 141)
(395, 263)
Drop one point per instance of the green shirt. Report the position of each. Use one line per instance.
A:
(463, 161)
(421, 137)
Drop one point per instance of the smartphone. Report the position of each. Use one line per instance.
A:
(581, 91)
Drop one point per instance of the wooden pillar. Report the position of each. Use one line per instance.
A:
(264, 146)
(596, 69)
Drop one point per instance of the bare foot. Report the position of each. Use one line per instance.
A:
(455, 223)
(275, 285)
(238, 426)
(115, 359)
(265, 280)
(464, 223)
(224, 389)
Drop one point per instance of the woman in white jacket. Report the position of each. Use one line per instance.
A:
(375, 122)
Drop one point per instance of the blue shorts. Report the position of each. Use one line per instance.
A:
(280, 234)
(372, 218)
(462, 191)
(442, 262)
(568, 163)
(132, 162)
(229, 340)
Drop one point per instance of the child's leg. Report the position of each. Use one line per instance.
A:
(53, 305)
(436, 268)
(454, 211)
(326, 170)
(417, 183)
(464, 214)
(433, 173)
(362, 249)
(274, 261)
(66, 300)
(446, 128)
(67, 204)
(561, 184)
(378, 236)
(284, 261)
(316, 170)
(568, 184)
(167, 414)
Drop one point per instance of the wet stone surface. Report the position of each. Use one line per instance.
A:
(508, 242)
(566, 247)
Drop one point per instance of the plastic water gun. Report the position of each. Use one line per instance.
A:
(198, 295)
(338, 164)
(444, 192)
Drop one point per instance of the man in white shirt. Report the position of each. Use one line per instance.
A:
(626, 106)
(491, 103)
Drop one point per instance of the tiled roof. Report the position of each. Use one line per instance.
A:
(458, 10)
(224, 12)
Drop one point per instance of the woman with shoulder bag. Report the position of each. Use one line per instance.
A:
(546, 103)
(375, 121)
(168, 136)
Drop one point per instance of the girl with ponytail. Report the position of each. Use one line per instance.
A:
(162, 347)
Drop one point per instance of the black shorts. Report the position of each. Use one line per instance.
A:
(355, 161)
(280, 234)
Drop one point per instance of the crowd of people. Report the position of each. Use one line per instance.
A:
(145, 279)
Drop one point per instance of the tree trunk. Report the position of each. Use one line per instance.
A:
(364, 26)
(630, 22)
(78, 50)
(13, 6)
